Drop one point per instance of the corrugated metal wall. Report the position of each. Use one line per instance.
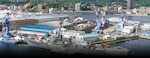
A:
(16, 24)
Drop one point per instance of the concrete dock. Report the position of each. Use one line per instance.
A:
(113, 41)
(108, 29)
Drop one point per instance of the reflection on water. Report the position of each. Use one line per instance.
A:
(25, 50)
(137, 47)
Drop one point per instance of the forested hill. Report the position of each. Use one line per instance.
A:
(137, 3)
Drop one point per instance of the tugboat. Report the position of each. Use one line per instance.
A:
(7, 38)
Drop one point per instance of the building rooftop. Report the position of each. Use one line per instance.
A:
(90, 35)
(36, 28)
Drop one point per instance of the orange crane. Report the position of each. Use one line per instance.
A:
(104, 13)
(100, 22)
(22, 9)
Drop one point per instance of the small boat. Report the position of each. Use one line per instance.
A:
(7, 41)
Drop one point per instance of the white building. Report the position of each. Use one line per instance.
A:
(77, 7)
(85, 38)
(119, 9)
(128, 29)
(145, 26)
(135, 10)
(52, 10)
(128, 12)
(13, 7)
(3, 13)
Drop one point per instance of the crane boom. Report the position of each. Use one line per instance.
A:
(25, 6)
(122, 15)
(104, 13)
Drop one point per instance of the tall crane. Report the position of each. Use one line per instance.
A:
(120, 25)
(100, 22)
(122, 15)
(25, 6)
(22, 8)
(104, 14)
(5, 21)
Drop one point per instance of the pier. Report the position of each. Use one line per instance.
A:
(142, 37)
(113, 41)
(105, 43)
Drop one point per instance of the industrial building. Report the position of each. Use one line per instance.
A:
(83, 39)
(77, 7)
(35, 29)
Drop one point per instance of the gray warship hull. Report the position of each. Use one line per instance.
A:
(74, 50)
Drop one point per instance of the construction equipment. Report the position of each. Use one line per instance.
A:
(104, 14)
(100, 22)
(5, 20)
(22, 9)
(7, 37)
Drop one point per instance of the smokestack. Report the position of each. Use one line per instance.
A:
(129, 4)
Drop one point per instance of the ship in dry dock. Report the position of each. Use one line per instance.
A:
(75, 46)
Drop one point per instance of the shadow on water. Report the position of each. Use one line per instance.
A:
(25, 50)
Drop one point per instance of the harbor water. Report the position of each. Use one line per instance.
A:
(137, 47)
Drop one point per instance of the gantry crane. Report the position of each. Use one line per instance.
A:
(5, 21)
(120, 25)
(122, 15)
(100, 21)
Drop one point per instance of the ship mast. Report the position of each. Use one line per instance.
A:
(60, 26)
